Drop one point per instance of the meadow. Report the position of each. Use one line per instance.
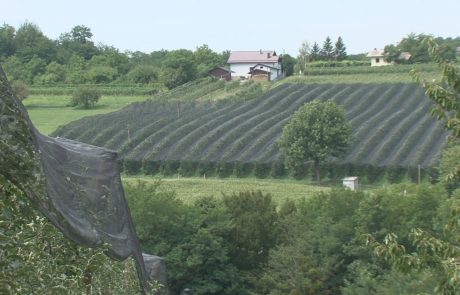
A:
(48, 112)
(189, 189)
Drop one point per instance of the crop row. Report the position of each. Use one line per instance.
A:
(391, 128)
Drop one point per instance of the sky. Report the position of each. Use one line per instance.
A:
(151, 25)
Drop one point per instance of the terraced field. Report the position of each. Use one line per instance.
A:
(391, 122)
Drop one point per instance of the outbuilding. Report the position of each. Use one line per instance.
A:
(351, 182)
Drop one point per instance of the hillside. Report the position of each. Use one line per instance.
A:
(391, 128)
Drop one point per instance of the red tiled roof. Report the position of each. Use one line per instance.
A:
(260, 56)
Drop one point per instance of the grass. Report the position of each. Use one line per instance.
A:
(356, 78)
(189, 189)
(49, 112)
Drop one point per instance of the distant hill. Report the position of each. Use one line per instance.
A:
(392, 129)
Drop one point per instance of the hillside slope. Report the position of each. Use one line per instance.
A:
(391, 127)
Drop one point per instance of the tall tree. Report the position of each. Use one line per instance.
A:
(303, 57)
(340, 50)
(30, 42)
(287, 64)
(77, 41)
(327, 52)
(315, 53)
(317, 131)
(7, 46)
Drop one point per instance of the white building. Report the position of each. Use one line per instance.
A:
(351, 183)
(248, 64)
(377, 58)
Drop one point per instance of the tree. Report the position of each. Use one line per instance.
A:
(30, 42)
(437, 253)
(340, 50)
(85, 97)
(178, 68)
(288, 64)
(77, 42)
(303, 57)
(7, 46)
(143, 74)
(254, 229)
(315, 52)
(327, 52)
(317, 131)
(20, 89)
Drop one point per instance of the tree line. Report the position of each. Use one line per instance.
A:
(28, 55)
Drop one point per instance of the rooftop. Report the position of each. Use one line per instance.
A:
(259, 56)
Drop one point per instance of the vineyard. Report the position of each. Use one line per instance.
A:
(393, 132)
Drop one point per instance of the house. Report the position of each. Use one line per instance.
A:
(251, 64)
(377, 58)
(221, 73)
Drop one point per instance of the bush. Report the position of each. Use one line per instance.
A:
(278, 170)
(243, 169)
(262, 170)
(20, 89)
(85, 97)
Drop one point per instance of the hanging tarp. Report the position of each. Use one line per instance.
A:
(75, 185)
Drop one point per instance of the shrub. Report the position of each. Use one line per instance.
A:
(20, 89)
(262, 170)
(85, 97)
(395, 174)
(206, 168)
(224, 169)
(243, 169)
(278, 170)
(131, 166)
(151, 167)
(187, 168)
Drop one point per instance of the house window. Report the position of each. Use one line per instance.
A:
(377, 60)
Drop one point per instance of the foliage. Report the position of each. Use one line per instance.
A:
(317, 131)
(340, 50)
(75, 59)
(434, 252)
(449, 162)
(20, 89)
(392, 127)
(189, 237)
(419, 49)
(254, 229)
(85, 97)
(288, 64)
(36, 258)
(327, 51)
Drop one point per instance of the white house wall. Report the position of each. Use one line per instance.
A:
(242, 69)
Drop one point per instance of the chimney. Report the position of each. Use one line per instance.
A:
(268, 55)
(260, 51)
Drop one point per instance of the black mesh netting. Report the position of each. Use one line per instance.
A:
(75, 185)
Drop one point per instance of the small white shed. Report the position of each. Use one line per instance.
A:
(351, 182)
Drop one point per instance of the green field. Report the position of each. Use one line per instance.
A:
(392, 129)
(48, 112)
(189, 189)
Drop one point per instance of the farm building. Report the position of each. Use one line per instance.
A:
(377, 58)
(221, 72)
(351, 183)
(262, 63)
